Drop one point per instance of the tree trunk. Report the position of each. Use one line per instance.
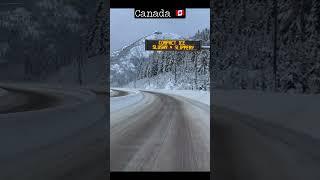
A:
(195, 71)
(275, 48)
(80, 70)
(175, 70)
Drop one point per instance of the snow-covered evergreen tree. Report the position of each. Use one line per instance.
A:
(243, 45)
(43, 36)
(134, 67)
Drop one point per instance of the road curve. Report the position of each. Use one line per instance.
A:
(160, 133)
(59, 138)
(20, 101)
(117, 93)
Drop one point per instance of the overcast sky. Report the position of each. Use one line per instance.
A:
(125, 29)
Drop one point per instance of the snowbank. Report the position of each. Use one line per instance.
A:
(119, 102)
(113, 93)
(3, 92)
(167, 81)
(295, 111)
(201, 96)
(67, 96)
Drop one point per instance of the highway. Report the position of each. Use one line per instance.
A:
(52, 133)
(251, 148)
(159, 132)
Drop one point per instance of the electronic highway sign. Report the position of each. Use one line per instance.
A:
(172, 45)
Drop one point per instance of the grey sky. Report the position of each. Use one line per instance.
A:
(124, 28)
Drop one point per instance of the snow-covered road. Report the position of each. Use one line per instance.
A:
(152, 131)
(51, 133)
(260, 135)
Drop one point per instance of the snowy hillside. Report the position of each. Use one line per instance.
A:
(38, 38)
(123, 60)
(137, 48)
(133, 66)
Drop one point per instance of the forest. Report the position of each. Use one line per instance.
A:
(137, 68)
(271, 45)
(38, 37)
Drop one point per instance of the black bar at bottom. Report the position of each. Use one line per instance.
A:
(160, 175)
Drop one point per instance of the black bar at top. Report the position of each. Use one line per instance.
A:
(159, 3)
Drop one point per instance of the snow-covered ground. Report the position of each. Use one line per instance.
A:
(68, 96)
(2, 92)
(201, 96)
(120, 102)
(295, 111)
(113, 93)
(166, 81)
